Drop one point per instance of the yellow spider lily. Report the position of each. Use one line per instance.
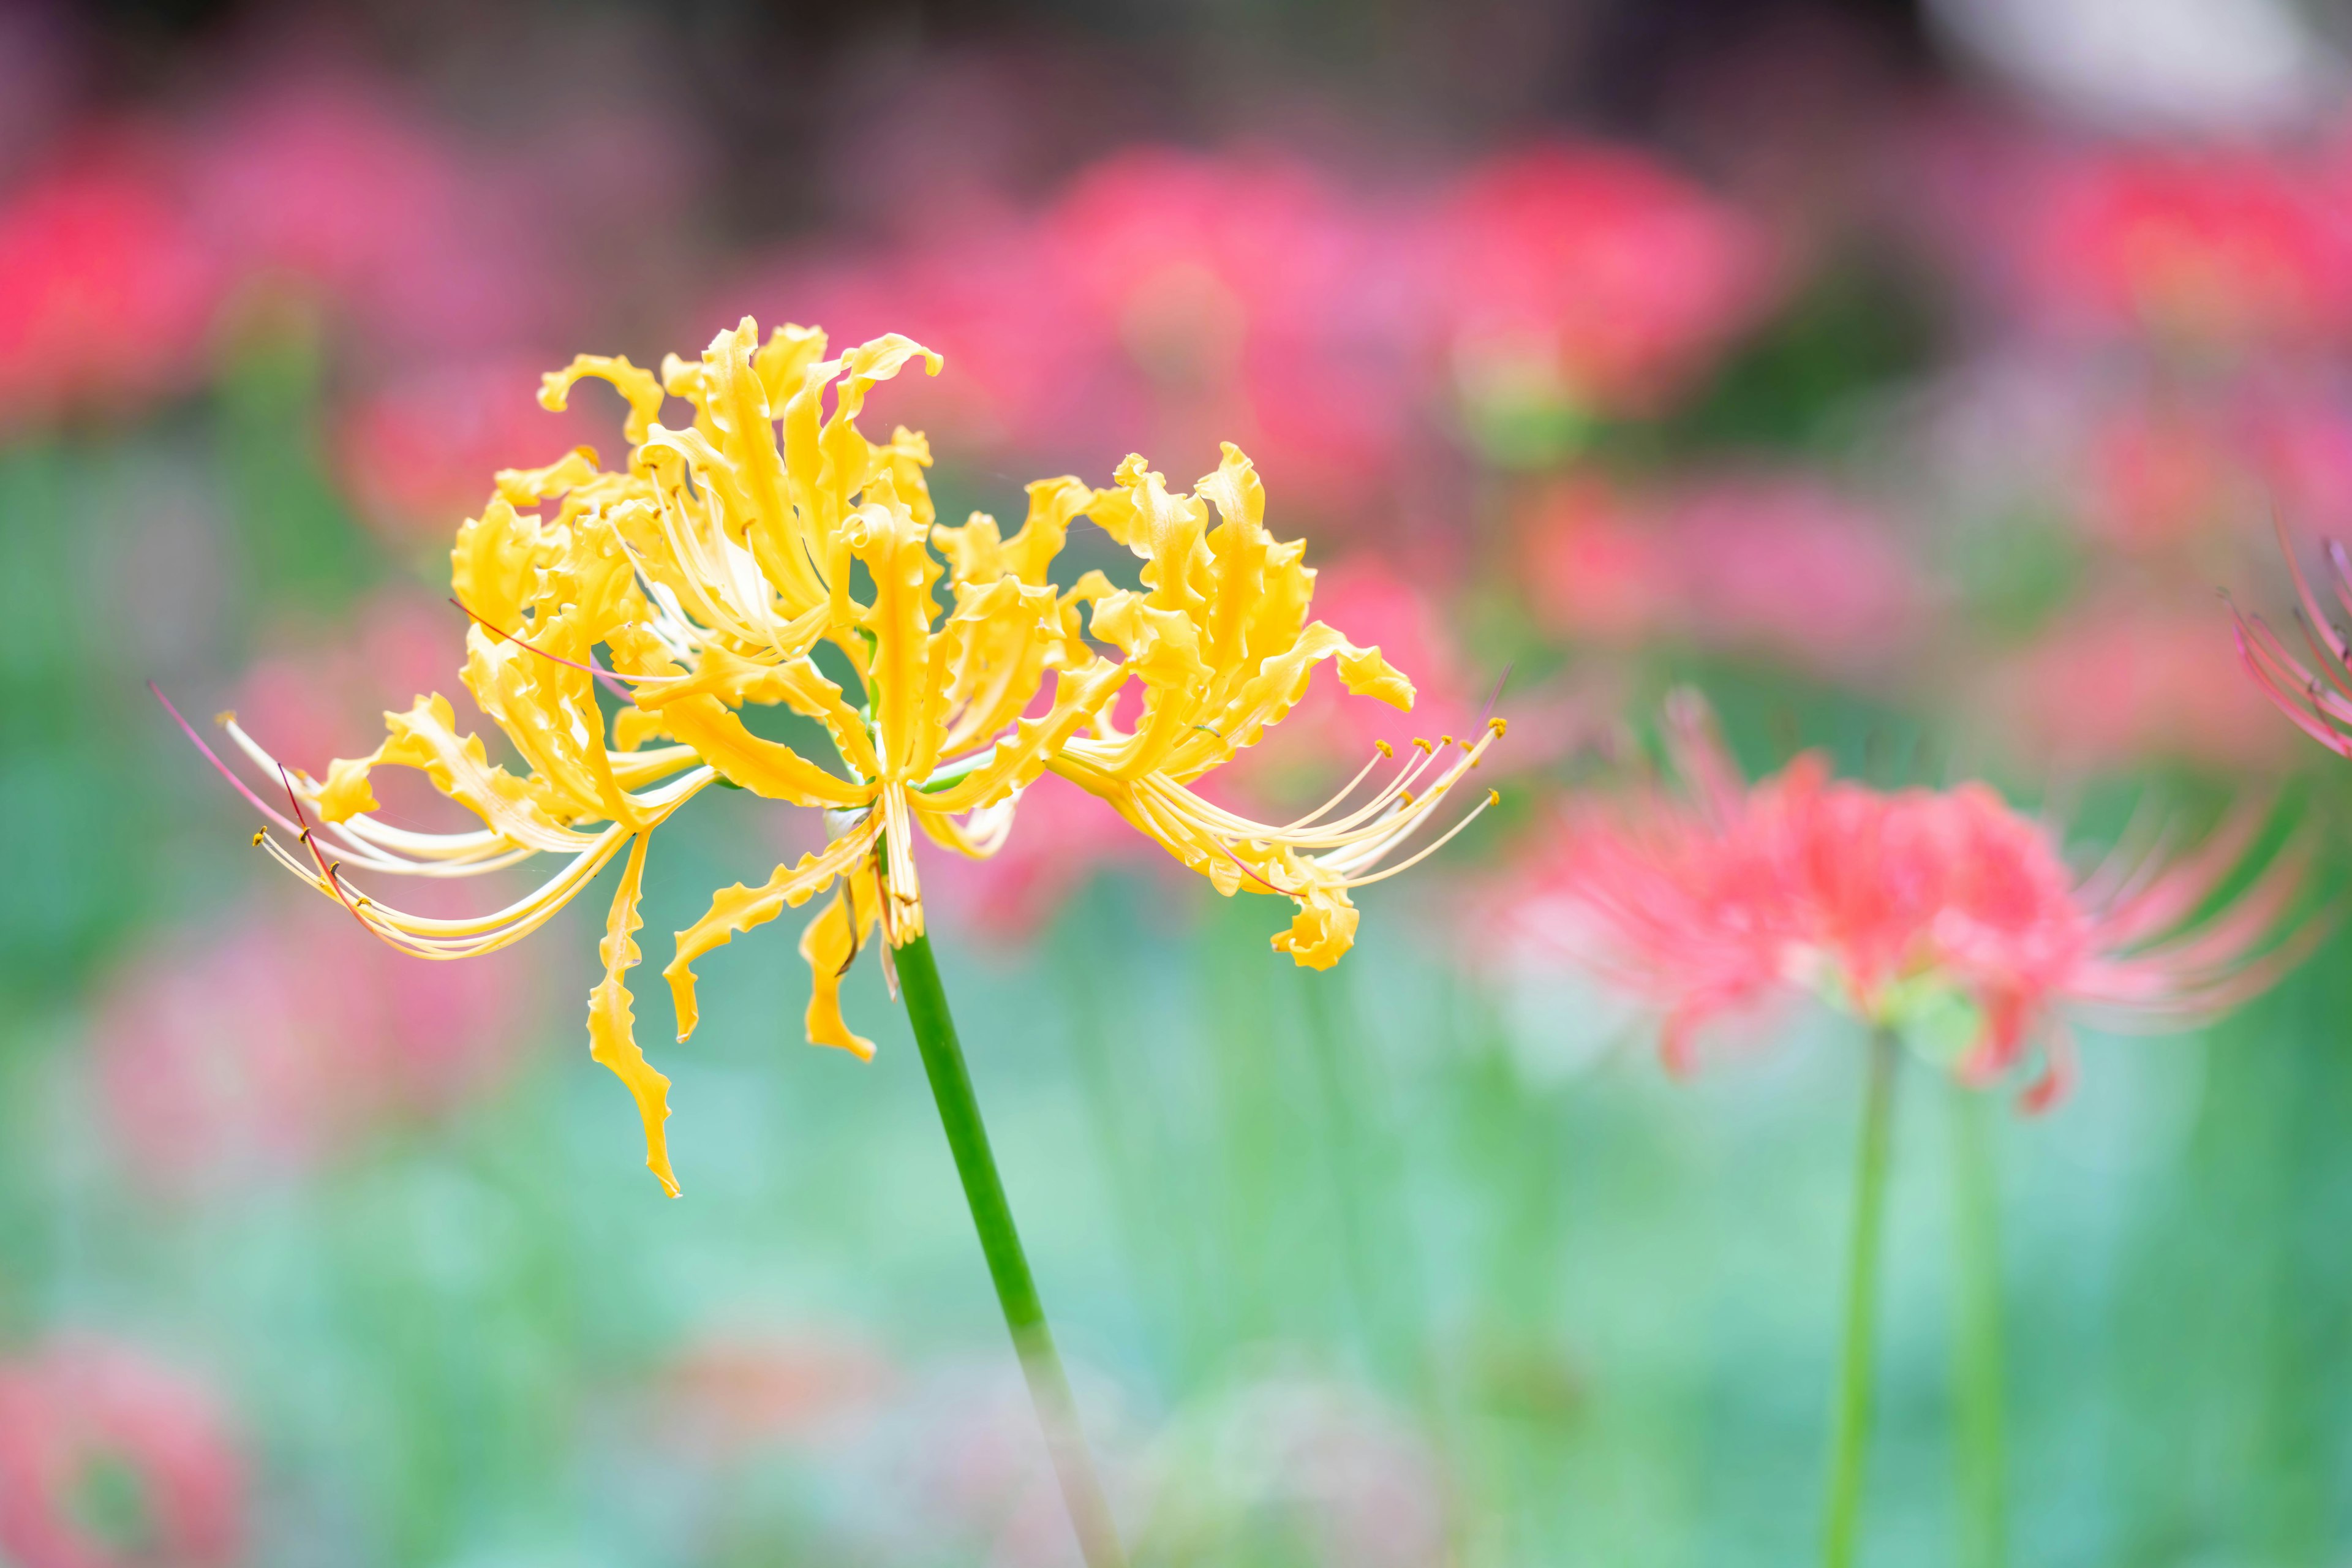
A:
(712, 570)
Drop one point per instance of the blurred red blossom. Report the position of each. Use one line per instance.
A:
(274, 1040)
(2164, 468)
(107, 288)
(1778, 561)
(317, 700)
(1944, 913)
(81, 1420)
(1590, 276)
(2120, 681)
(2226, 245)
(416, 455)
(2222, 246)
(1251, 300)
(326, 179)
(1022, 369)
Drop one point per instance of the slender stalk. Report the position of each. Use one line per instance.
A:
(1008, 1265)
(1976, 1393)
(1850, 1440)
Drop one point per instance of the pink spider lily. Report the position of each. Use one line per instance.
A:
(2319, 703)
(1913, 910)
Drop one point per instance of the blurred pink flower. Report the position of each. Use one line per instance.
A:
(416, 455)
(2117, 681)
(80, 1413)
(107, 293)
(1711, 897)
(1248, 300)
(2317, 696)
(328, 699)
(324, 178)
(2217, 246)
(1591, 276)
(2220, 245)
(1778, 562)
(1022, 365)
(2162, 470)
(275, 1040)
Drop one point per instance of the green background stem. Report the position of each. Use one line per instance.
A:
(1851, 1441)
(1977, 1356)
(1008, 1265)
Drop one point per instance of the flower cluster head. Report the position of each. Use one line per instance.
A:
(1944, 914)
(2317, 696)
(79, 1411)
(767, 553)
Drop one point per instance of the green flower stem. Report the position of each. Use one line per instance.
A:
(1976, 1358)
(1850, 1440)
(1008, 1265)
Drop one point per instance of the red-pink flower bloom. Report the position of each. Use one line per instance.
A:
(1246, 298)
(80, 1413)
(107, 293)
(2117, 681)
(2320, 703)
(1896, 905)
(1592, 275)
(413, 452)
(1778, 562)
(2216, 246)
(324, 178)
(278, 1040)
(1029, 371)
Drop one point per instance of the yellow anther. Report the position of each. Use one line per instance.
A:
(1384, 748)
(1423, 744)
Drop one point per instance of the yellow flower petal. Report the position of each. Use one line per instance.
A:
(830, 943)
(736, 909)
(611, 1036)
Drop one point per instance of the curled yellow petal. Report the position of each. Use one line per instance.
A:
(1324, 928)
(736, 909)
(830, 945)
(347, 791)
(632, 382)
(612, 1032)
(1365, 673)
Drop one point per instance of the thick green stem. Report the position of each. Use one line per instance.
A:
(1851, 1442)
(1977, 1360)
(1008, 1265)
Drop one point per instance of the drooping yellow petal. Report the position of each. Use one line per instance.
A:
(1323, 929)
(830, 945)
(736, 909)
(612, 1025)
(632, 382)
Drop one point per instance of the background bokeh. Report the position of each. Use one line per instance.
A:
(1907, 378)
